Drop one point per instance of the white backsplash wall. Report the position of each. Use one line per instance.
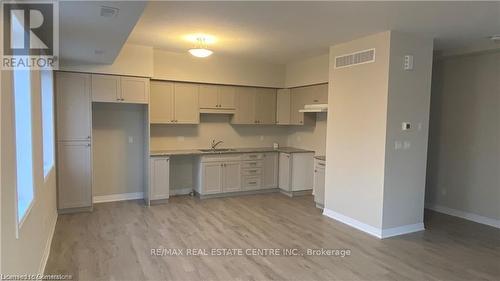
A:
(165, 137)
(118, 148)
(310, 136)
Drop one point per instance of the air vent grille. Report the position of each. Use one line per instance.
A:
(366, 56)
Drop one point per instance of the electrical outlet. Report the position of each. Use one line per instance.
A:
(398, 145)
(261, 138)
(180, 138)
(406, 144)
(130, 139)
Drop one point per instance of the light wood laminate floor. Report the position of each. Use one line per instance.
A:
(114, 243)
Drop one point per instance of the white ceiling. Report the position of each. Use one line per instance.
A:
(85, 37)
(281, 32)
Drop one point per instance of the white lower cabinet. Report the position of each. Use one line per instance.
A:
(74, 174)
(231, 182)
(159, 178)
(296, 171)
(319, 182)
(270, 170)
(236, 172)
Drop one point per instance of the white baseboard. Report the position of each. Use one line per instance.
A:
(181, 191)
(400, 230)
(374, 231)
(465, 215)
(46, 251)
(118, 197)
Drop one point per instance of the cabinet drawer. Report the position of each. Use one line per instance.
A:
(251, 164)
(251, 172)
(251, 156)
(251, 182)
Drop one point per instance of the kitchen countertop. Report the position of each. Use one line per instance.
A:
(320, 157)
(179, 152)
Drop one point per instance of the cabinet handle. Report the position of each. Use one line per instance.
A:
(88, 144)
(321, 164)
(88, 137)
(252, 182)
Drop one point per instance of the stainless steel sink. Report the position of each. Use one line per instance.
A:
(218, 150)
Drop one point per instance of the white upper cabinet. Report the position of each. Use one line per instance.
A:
(105, 88)
(174, 103)
(134, 89)
(161, 107)
(73, 106)
(265, 109)
(283, 107)
(186, 103)
(217, 98)
(227, 97)
(209, 96)
(245, 106)
(113, 88)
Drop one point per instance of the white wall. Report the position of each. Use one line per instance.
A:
(409, 101)
(308, 71)
(165, 137)
(133, 60)
(218, 127)
(311, 135)
(216, 69)
(464, 138)
(368, 181)
(28, 253)
(118, 165)
(356, 132)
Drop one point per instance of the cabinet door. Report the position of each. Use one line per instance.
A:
(161, 106)
(231, 176)
(186, 103)
(227, 97)
(209, 96)
(105, 88)
(319, 184)
(302, 171)
(73, 106)
(283, 107)
(319, 93)
(74, 174)
(211, 177)
(265, 111)
(159, 177)
(245, 106)
(134, 90)
(297, 102)
(270, 170)
(284, 172)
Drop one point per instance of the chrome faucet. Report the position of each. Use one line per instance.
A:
(215, 144)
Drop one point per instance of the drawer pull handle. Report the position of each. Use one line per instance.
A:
(321, 164)
(253, 182)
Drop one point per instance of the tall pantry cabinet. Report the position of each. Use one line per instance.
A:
(74, 140)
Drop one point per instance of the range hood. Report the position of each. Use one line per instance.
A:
(321, 107)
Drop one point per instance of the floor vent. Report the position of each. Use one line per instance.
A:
(366, 56)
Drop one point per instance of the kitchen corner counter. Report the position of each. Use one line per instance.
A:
(194, 152)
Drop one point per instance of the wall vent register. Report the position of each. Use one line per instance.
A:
(361, 57)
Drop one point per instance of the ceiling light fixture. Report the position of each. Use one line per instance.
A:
(200, 50)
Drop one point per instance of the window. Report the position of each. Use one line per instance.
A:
(47, 121)
(24, 147)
